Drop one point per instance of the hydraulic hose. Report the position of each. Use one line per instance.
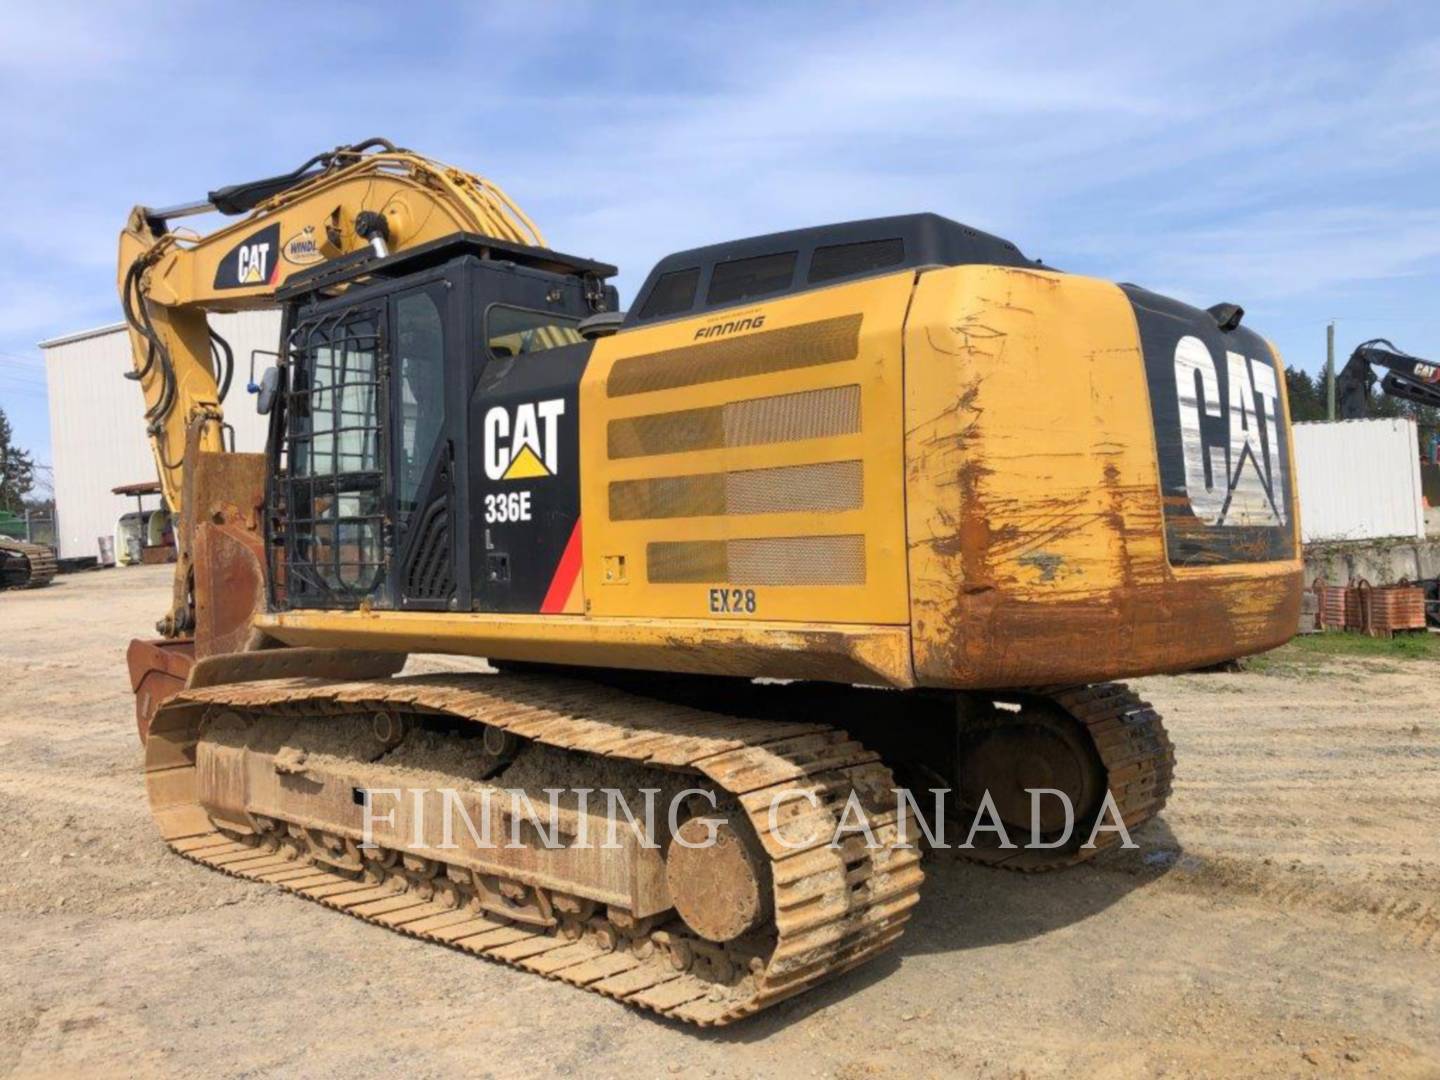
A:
(138, 318)
(223, 360)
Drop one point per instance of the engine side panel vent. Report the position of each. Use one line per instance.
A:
(824, 341)
(761, 447)
(810, 414)
(821, 488)
(775, 560)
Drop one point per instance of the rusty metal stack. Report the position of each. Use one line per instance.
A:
(1388, 608)
(1379, 611)
(1339, 607)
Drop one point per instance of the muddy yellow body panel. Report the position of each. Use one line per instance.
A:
(1035, 514)
(970, 476)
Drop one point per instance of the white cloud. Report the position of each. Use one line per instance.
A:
(1269, 154)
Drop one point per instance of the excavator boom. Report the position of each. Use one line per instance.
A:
(367, 197)
(364, 199)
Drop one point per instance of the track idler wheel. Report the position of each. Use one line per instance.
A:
(1015, 753)
(1083, 741)
(719, 886)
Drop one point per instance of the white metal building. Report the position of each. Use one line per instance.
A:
(97, 425)
(1359, 480)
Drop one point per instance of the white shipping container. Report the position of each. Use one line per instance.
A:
(1359, 480)
(97, 422)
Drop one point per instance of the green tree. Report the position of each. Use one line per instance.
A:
(1307, 395)
(17, 470)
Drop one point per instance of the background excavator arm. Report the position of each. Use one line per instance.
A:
(1406, 377)
(371, 195)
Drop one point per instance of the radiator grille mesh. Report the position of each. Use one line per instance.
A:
(826, 341)
(810, 414)
(781, 560)
(826, 487)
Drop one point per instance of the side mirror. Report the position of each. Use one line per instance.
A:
(267, 390)
(602, 325)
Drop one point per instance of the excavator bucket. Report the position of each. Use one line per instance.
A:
(227, 551)
(222, 565)
(158, 669)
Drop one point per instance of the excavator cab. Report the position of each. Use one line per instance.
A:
(411, 388)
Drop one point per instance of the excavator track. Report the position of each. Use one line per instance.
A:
(831, 906)
(1137, 765)
(26, 566)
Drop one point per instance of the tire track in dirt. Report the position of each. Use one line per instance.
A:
(1303, 794)
(1408, 916)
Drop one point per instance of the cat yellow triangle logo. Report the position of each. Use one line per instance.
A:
(525, 466)
(522, 442)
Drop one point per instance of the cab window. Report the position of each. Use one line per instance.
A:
(740, 279)
(420, 341)
(672, 294)
(512, 331)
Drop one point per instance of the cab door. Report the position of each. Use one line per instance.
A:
(524, 460)
(422, 451)
(327, 459)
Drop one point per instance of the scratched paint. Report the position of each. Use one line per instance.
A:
(1035, 511)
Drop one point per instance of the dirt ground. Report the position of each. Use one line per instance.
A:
(1282, 917)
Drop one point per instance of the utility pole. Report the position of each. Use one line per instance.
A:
(1330, 371)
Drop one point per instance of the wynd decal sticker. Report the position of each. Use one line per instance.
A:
(302, 249)
(524, 445)
(253, 261)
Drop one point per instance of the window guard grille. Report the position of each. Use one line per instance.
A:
(333, 485)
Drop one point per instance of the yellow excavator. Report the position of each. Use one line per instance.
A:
(826, 523)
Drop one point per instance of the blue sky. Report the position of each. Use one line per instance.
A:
(1283, 156)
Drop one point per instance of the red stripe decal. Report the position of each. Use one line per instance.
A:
(566, 571)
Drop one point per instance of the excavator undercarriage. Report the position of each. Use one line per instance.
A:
(814, 859)
(25, 566)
